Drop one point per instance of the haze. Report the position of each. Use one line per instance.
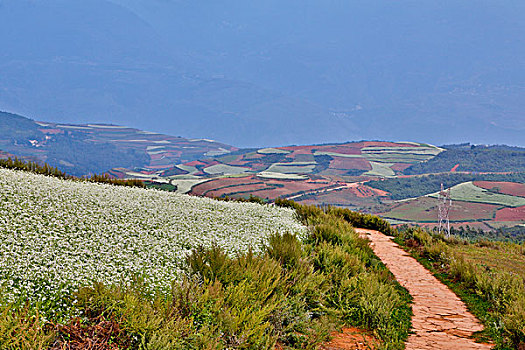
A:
(271, 72)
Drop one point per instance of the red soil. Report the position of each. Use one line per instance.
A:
(157, 156)
(343, 149)
(351, 339)
(274, 187)
(195, 163)
(400, 166)
(510, 188)
(202, 188)
(350, 163)
(511, 214)
(366, 191)
(228, 191)
(385, 144)
(425, 209)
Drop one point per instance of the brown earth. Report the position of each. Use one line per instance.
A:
(441, 320)
(351, 339)
(511, 214)
(510, 188)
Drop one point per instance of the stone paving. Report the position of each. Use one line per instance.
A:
(441, 320)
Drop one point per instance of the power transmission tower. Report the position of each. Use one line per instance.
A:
(444, 204)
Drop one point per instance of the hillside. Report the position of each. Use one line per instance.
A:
(96, 148)
(366, 175)
(168, 271)
(473, 158)
(296, 164)
(129, 232)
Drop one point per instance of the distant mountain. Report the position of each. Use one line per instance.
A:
(269, 73)
(97, 148)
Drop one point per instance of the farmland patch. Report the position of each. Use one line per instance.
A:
(510, 188)
(511, 214)
(380, 169)
(284, 176)
(468, 192)
(225, 169)
(425, 209)
(292, 168)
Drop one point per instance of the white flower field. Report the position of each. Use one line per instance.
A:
(57, 235)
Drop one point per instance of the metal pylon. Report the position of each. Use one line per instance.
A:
(444, 204)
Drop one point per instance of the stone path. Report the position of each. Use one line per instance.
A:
(441, 320)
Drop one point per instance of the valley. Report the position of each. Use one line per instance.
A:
(396, 180)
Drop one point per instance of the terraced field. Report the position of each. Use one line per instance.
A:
(494, 205)
(331, 163)
(97, 148)
(468, 192)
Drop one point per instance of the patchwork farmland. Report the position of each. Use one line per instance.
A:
(491, 206)
(340, 174)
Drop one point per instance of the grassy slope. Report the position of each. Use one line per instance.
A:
(493, 289)
(293, 292)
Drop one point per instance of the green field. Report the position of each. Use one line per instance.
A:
(225, 169)
(292, 168)
(468, 192)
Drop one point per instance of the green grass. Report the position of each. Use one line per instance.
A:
(493, 292)
(292, 168)
(295, 293)
(380, 169)
(493, 256)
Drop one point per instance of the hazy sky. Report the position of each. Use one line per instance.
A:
(271, 72)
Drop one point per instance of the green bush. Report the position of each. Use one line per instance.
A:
(295, 293)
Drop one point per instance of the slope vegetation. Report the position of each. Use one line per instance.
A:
(150, 269)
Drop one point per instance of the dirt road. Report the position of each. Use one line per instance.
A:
(441, 320)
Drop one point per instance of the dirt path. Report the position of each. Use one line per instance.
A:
(441, 320)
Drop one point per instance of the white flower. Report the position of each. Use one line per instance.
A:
(58, 235)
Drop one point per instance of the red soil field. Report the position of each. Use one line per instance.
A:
(425, 209)
(195, 163)
(228, 191)
(345, 197)
(511, 214)
(400, 166)
(511, 188)
(343, 149)
(156, 156)
(385, 144)
(52, 131)
(202, 188)
(275, 188)
(350, 163)
(366, 191)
